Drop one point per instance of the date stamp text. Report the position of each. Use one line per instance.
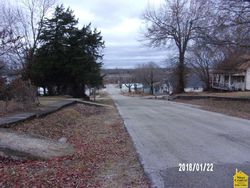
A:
(196, 167)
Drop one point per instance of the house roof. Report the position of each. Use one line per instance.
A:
(245, 65)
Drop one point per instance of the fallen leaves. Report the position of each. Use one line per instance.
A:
(104, 157)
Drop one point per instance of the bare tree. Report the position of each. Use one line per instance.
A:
(177, 21)
(228, 37)
(230, 26)
(202, 61)
(148, 74)
(128, 80)
(32, 18)
(10, 40)
(238, 22)
(20, 27)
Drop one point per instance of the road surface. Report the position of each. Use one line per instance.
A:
(167, 134)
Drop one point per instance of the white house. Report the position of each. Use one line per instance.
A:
(234, 79)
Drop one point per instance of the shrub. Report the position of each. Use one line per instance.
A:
(23, 92)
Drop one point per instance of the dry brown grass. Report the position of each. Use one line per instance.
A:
(12, 107)
(245, 94)
(104, 156)
(47, 100)
(233, 108)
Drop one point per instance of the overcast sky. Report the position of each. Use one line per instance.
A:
(121, 26)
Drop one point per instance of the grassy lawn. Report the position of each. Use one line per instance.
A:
(47, 100)
(104, 153)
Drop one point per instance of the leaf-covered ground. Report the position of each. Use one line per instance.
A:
(104, 153)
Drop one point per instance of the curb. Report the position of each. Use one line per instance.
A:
(92, 103)
(139, 157)
(16, 119)
(7, 122)
(54, 109)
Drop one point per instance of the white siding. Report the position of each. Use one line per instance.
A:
(192, 89)
(222, 78)
(248, 79)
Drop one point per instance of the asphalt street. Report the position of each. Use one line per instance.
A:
(167, 134)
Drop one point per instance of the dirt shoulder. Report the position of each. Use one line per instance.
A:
(104, 157)
(239, 109)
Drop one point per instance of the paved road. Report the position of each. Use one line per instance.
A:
(167, 133)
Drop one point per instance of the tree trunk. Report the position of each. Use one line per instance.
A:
(207, 86)
(78, 91)
(129, 89)
(44, 91)
(135, 86)
(50, 91)
(208, 80)
(181, 74)
(151, 89)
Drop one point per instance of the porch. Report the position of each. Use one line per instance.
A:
(229, 82)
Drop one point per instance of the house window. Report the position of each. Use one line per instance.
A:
(240, 79)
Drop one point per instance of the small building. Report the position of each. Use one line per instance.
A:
(235, 78)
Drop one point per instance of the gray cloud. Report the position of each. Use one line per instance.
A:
(119, 21)
(130, 56)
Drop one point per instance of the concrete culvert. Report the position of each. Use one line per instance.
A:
(26, 146)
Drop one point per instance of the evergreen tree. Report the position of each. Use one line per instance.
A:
(68, 58)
